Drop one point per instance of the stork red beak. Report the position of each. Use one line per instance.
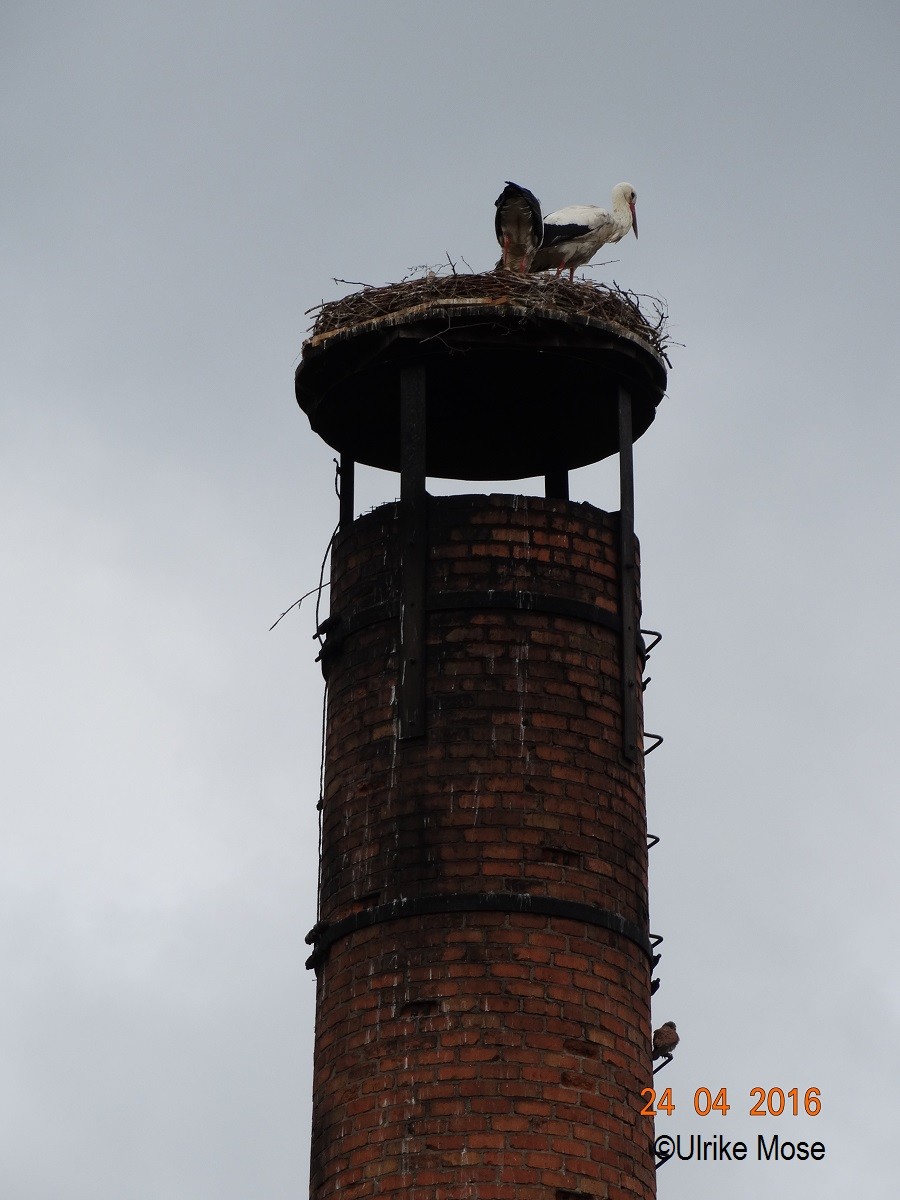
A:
(633, 218)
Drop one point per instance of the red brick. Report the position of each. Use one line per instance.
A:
(482, 1055)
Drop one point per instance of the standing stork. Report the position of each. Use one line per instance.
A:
(573, 235)
(519, 226)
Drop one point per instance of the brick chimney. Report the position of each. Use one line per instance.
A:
(482, 948)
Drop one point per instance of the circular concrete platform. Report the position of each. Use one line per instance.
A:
(512, 390)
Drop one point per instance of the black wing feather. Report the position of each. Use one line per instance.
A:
(514, 192)
(554, 234)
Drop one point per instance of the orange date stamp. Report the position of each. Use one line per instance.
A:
(762, 1102)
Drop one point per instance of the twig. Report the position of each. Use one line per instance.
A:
(297, 603)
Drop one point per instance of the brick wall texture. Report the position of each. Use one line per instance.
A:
(482, 1055)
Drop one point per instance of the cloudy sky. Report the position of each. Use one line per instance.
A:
(181, 182)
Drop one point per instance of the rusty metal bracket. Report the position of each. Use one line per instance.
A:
(661, 1157)
(648, 646)
(658, 740)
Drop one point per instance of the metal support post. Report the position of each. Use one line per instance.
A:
(556, 484)
(628, 582)
(413, 553)
(345, 476)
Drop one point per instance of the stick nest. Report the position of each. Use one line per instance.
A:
(583, 298)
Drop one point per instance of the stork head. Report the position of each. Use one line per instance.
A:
(624, 194)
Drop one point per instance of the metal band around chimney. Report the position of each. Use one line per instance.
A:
(324, 936)
(515, 601)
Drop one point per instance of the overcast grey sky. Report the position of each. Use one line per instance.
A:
(181, 182)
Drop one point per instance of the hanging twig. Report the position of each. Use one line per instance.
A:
(297, 603)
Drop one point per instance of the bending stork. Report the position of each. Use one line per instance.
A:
(518, 226)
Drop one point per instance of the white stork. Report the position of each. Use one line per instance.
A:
(518, 226)
(573, 235)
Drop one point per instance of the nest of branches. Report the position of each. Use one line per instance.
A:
(542, 292)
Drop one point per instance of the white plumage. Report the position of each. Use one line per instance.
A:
(573, 235)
